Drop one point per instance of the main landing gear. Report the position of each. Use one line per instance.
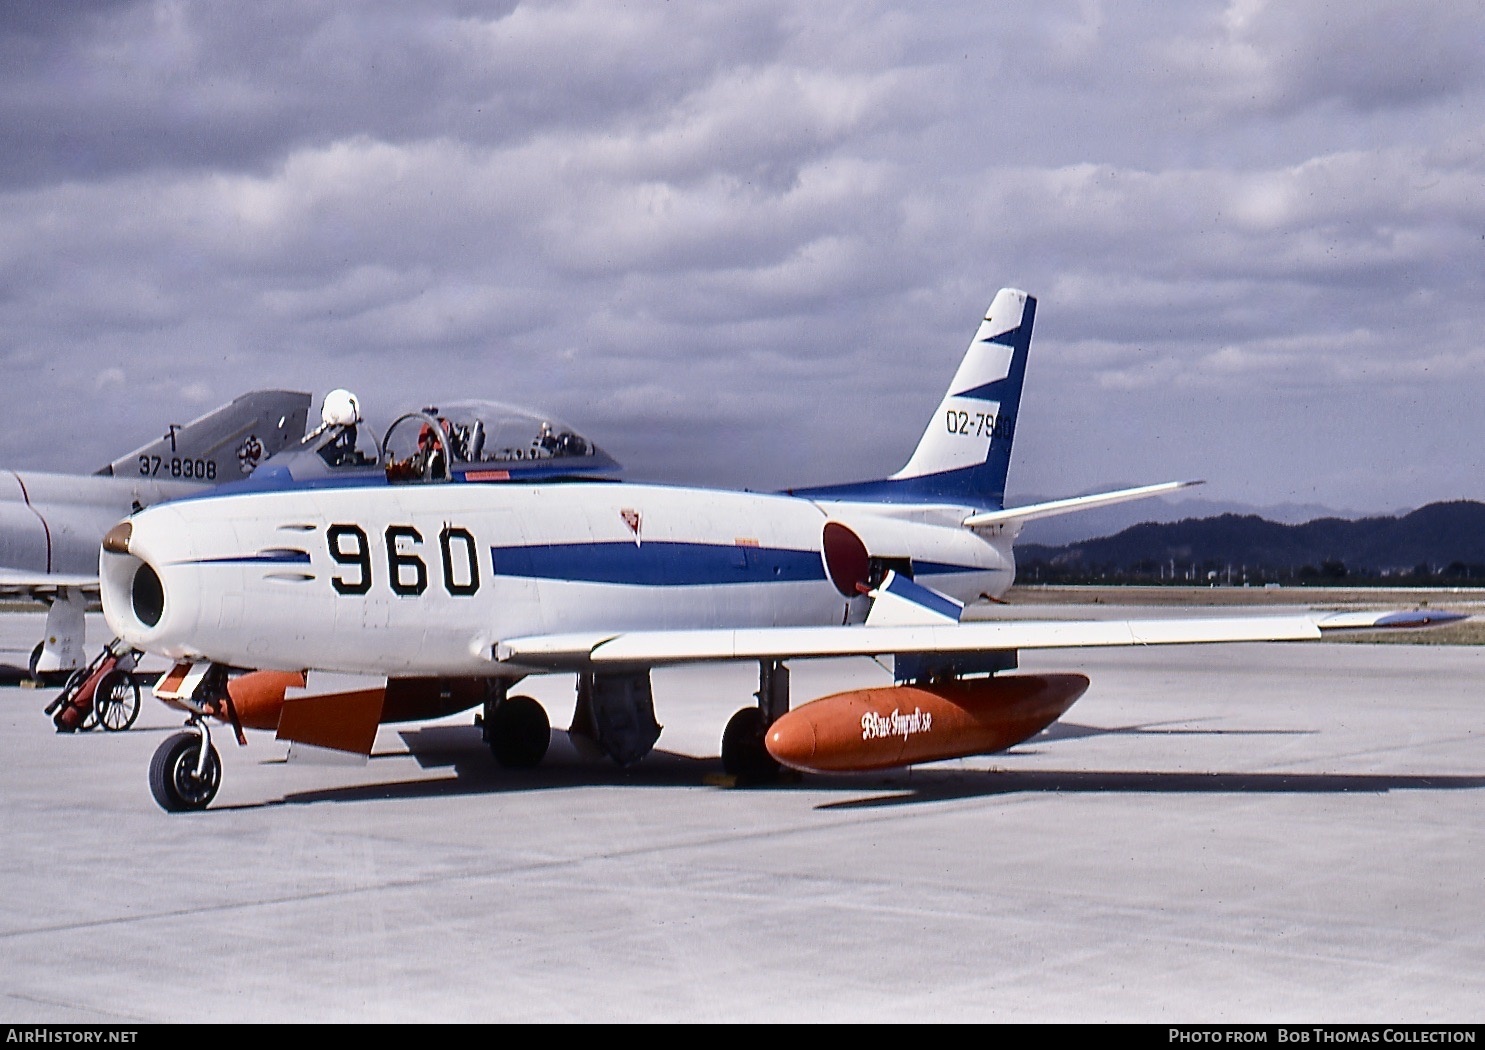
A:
(744, 751)
(614, 716)
(516, 728)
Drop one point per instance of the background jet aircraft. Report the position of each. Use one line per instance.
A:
(451, 584)
(51, 525)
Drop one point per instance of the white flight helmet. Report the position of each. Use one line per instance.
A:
(341, 408)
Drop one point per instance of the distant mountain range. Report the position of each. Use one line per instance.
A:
(1438, 541)
(1105, 521)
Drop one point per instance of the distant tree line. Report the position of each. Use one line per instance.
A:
(1330, 572)
(1441, 544)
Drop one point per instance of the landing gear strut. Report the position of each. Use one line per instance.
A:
(744, 753)
(186, 770)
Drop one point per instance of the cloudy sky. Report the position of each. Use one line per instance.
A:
(746, 243)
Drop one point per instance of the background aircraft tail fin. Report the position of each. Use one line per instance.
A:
(223, 445)
(965, 452)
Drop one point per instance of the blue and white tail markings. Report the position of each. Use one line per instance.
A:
(967, 445)
(964, 454)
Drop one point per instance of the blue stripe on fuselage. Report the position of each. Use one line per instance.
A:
(275, 555)
(657, 563)
(663, 563)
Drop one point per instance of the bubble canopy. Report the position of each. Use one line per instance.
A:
(456, 441)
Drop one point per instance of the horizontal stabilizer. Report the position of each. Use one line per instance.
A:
(1032, 511)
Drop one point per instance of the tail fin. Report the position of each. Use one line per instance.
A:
(223, 445)
(965, 452)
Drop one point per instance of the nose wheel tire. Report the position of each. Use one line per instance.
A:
(174, 779)
(116, 701)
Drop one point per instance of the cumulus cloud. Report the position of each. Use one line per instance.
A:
(1362, 55)
(746, 244)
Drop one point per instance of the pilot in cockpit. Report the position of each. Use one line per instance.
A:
(550, 442)
(431, 459)
(546, 441)
(341, 413)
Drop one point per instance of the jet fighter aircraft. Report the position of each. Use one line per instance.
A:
(51, 524)
(452, 569)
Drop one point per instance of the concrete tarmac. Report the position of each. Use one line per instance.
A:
(1259, 833)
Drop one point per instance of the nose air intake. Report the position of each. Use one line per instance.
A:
(132, 590)
(147, 595)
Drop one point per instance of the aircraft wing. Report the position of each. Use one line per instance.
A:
(656, 648)
(41, 585)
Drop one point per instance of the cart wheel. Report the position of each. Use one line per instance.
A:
(116, 701)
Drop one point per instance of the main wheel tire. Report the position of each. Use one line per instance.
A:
(744, 753)
(173, 779)
(47, 677)
(116, 700)
(519, 732)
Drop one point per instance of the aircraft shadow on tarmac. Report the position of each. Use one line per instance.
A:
(460, 750)
(945, 786)
(1074, 731)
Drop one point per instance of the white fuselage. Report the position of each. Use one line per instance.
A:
(427, 579)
